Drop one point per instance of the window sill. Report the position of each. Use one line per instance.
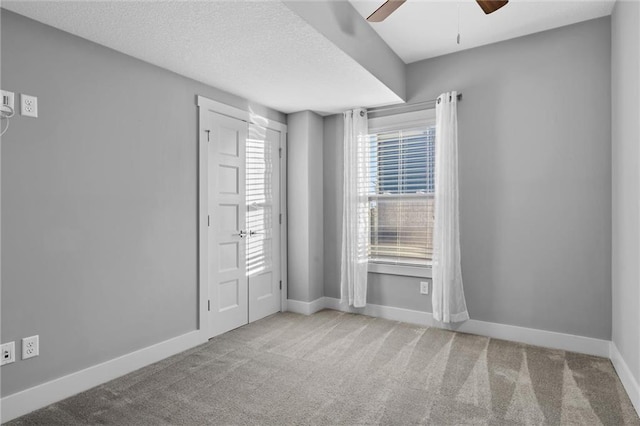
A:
(404, 270)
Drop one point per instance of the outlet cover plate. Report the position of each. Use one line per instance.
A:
(424, 287)
(30, 347)
(8, 352)
(28, 105)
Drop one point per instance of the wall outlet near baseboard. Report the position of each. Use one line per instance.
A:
(424, 287)
(30, 347)
(8, 353)
(28, 105)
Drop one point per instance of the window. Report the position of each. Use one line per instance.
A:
(401, 194)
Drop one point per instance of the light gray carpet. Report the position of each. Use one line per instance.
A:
(341, 369)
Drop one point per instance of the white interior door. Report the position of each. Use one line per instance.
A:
(244, 238)
(228, 285)
(263, 208)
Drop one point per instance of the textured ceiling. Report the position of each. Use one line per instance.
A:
(260, 51)
(422, 29)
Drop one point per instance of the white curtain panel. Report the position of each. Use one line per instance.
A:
(448, 295)
(355, 210)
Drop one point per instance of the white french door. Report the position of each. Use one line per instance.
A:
(244, 228)
(228, 292)
(263, 201)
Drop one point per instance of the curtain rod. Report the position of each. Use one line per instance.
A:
(398, 106)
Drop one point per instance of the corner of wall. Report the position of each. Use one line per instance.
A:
(625, 109)
(305, 206)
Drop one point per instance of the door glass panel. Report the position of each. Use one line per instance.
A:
(259, 185)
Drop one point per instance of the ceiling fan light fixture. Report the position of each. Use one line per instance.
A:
(490, 6)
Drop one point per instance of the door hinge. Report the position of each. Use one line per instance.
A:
(208, 220)
(208, 305)
(280, 285)
(280, 219)
(280, 152)
(208, 134)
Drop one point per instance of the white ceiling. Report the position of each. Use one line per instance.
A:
(422, 29)
(264, 52)
(260, 51)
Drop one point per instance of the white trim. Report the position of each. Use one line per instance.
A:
(531, 336)
(284, 258)
(381, 311)
(39, 396)
(629, 382)
(240, 114)
(306, 308)
(404, 270)
(269, 124)
(536, 337)
(224, 109)
(203, 244)
(404, 120)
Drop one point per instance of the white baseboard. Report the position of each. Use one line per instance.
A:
(23, 402)
(629, 382)
(536, 337)
(381, 311)
(305, 308)
(31, 399)
(531, 336)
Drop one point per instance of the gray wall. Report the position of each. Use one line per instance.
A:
(535, 180)
(305, 200)
(332, 178)
(99, 198)
(625, 63)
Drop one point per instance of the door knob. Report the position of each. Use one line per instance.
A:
(242, 234)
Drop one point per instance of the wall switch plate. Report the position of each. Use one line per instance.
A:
(8, 353)
(8, 99)
(424, 287)
(30, 347)
(28, 105)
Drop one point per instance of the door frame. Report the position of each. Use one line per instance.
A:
(205, 106)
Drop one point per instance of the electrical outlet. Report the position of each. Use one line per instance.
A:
(28, 105)
(8, 99)
(424, 287)
(8, 353)
(30, 347)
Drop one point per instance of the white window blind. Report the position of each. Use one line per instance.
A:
(401, 185)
